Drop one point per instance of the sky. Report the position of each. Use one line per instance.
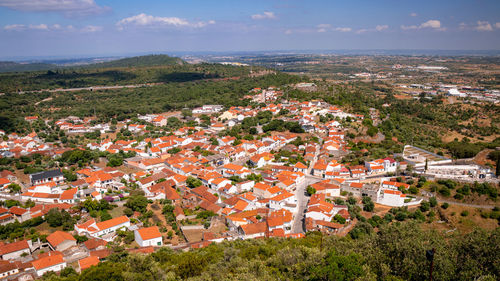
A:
(65, 28)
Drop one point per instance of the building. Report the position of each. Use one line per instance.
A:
(149, 236)
(8, 269)
(103, 228)
(15, 250)
(60, 240)
(390, 197)
(52, 262)
(87, 262)
(47, 176)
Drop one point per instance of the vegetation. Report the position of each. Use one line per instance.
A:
(397, 252)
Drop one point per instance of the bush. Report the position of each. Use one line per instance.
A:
(464, 213)
(433, 202)
(445, 205)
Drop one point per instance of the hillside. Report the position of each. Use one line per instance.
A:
(397, 252)
(141, 61)
(9, 66)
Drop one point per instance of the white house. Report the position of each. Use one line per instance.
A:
(15, 250)
(149, 236)
(390, 197)
(99, 229)
(54, 262)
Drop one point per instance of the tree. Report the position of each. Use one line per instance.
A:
(433, 202)
(339, 219)
(192, 182)
(310, 190)
(337, 267)
(14, 188)
(368, 204)
(137, 203)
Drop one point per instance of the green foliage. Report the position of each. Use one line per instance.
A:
(62, 218)
(137, 203)
(310, 190)
(339, 219)
(14, 188)
(368, 204)
(192, 182)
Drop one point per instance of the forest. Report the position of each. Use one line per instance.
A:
(185, 90)
(396, 252)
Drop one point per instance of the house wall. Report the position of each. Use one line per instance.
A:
(65, 245)
(15, 255)
(55, 268)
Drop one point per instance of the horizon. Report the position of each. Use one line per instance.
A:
(342, 52)
(76, 28)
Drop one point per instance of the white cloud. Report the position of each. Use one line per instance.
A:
(462, 26)
(377, 28)
(432, 24)
(288, 31)
(497, 25)
(39, 26)
(324, 27)
(409, 27)
(152, 21)
(413, 15)
(381, 27)
(91, 28)
(343, 29)
(264, 15)
(67, 7)
(14, 27)
(483, 26)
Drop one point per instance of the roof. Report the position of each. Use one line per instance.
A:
(88, 262)
(58, 237)
(68, 194)
(149, 233)
(254, 228)
(112, 222)
(47, 261)
(14, 247)
(94, 243)
(46, 174)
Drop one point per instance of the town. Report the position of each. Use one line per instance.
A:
(185, 180)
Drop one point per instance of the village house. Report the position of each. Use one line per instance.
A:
(60, 240)
(102, 229)
(149, 236)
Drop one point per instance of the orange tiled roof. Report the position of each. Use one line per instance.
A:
(58, 237)
(149, 233)
(88, 262)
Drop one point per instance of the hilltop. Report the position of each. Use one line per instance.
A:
(10, 66)
(139, 61)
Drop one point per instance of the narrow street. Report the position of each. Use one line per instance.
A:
(302, 198)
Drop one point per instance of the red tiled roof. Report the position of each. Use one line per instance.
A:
(88, 262)
(48, 261)
(149, 233)
(58, 237)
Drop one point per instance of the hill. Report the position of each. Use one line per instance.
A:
(141, 61)
(396, 252)
(10, 66)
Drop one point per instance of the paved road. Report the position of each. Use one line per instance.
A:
(302, 199)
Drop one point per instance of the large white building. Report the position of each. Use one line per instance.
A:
(98, 230)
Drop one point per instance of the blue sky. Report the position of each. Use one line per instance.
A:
(114, 27)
